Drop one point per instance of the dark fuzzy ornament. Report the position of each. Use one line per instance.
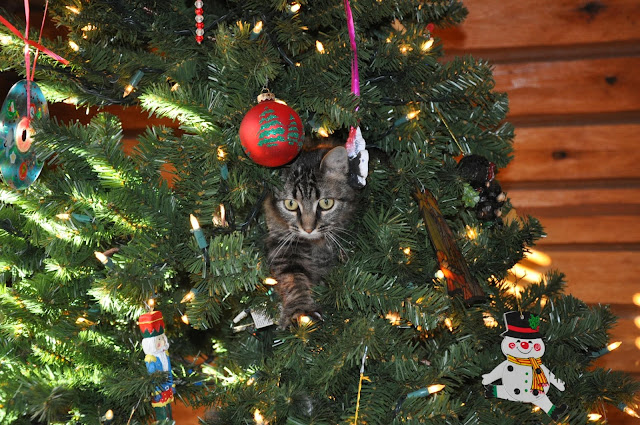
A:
(491, 201)
(476, 170)
(479, 172)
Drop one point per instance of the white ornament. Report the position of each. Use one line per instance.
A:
(260, 319)
(358, 157)
(524, 377)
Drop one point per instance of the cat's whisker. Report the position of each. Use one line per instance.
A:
(337, 235)
(285, 242)
(340, 232)
(277, 249)
(333, 238)
(344, 231)
(333, 241)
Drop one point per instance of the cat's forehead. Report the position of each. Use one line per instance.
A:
(307, 163)
(305, 179)
(301, 182)
(302, 171)
(303, 174)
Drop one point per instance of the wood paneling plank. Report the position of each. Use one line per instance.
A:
(514, 23)
(528, 201)
(574, 153)
(534, 53)
(185, 415)
(627, 356)
(133, 118)
(571, 87)
(615, 416)
(591, 230)
(607, 277)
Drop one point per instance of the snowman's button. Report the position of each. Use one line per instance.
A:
(538, 371)
(510, 368)
(517, 391)
(535, 392)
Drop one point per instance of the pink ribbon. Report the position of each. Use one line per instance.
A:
(44, 15)
(355, 77)
(32, 43)
(27, 58)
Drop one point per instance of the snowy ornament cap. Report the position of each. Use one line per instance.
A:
(266, 95)
(522, 325)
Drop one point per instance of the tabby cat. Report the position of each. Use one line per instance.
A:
(306, 218)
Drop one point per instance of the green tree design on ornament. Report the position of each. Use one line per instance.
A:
(271, 130)
(293, 133)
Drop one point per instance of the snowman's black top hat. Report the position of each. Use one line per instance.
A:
(522, 325)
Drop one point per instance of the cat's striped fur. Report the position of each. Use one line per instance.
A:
(306, 219)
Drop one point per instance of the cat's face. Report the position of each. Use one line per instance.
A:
(315, 199)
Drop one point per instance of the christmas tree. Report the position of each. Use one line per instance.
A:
(413, 315)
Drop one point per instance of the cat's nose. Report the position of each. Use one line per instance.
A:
(308, 230)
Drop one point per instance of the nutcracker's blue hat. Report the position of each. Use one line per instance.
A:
(522, 325)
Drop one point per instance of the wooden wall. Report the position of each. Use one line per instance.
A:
(572, 72)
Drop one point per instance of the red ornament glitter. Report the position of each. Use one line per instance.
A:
(271, 132)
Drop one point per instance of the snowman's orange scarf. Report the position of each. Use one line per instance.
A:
(539, 379)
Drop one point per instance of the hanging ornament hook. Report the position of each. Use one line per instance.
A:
(453, 136)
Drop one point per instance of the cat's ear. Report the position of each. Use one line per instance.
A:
(335, 161)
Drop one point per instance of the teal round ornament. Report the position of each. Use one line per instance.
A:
(19, 164)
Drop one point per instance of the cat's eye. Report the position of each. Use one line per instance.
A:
(325, 203)
(291, 204)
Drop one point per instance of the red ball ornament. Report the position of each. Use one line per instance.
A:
(271, 132)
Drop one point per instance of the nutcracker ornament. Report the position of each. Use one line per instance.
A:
(524, 377)
(271, 133)
(155, 345)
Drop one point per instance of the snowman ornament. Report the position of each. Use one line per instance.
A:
(524, 377)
